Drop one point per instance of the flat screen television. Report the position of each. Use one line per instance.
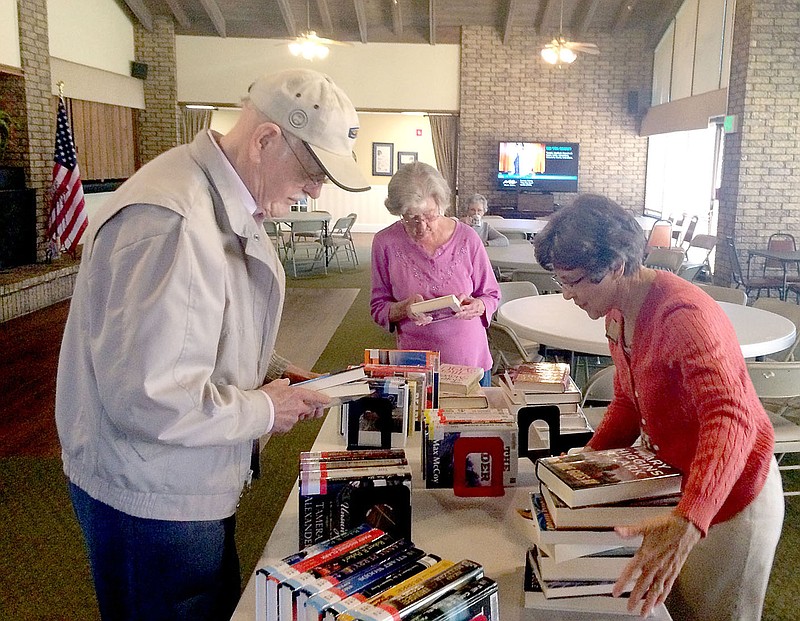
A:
(538, 166)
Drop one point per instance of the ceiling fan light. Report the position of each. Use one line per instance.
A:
(550, 55)
(566, 55)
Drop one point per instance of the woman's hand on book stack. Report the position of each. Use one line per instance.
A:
(666, 543)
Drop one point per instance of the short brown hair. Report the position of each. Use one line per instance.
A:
(594, 234)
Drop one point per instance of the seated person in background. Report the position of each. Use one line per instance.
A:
(473, 215)
(682, 385)
(424, 256)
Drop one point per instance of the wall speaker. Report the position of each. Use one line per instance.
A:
(633, 102)
(138, 70)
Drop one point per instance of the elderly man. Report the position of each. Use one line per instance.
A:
(168, 372)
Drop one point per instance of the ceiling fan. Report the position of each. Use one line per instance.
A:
(560, 50)
(308, 44)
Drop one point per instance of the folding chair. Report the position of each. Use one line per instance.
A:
(724, 294)
(780, 380)
(668, 259)
(506, 348)
(306, 235)
(339, 237)
(792, 313)
(750, 283)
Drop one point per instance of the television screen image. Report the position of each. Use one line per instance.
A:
(538, 166)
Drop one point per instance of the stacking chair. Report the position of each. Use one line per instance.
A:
(339, 237)
(306, 236)
(275, 235)
(780, 242)
(792, 313)
(780, 380)
(687, 234)
(698, 255)
(542, 280)
(749, 283)
(725, 294)
(660, 235)
(668, 259)
(598, 394)
(520, 289)
(506, 348)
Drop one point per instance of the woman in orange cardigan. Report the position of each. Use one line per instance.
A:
(682, 385)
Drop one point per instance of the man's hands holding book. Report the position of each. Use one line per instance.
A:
(666, 544)
(292, 404)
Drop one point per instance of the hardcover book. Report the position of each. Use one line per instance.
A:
(459, 379)
(613, 475)
(563, 588)
(568, 400)
(606, 516)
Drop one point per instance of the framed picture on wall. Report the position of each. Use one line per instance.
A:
(406, 157)
(382, 159)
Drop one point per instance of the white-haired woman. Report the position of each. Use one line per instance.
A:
(474, 211)
(424, 256)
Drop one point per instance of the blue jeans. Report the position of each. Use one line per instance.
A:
(157, 569)
(487, 378)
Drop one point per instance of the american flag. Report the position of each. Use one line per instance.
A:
(67, 219)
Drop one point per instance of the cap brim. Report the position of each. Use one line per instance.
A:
(341, 169)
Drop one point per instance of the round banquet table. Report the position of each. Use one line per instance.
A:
(556, 322)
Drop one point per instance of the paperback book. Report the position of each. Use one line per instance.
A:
(540, 377)
(417, 597)
(335, 378)
(459, 379)
(476, 600)
(613, 475)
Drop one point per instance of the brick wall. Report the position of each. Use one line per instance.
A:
(39, 130)
(760, 191)
(509, 93)
(158, 122)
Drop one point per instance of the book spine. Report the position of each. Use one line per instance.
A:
(477, 598)
(321, 466)
(397, 566)
(349, 455)
(416, 596)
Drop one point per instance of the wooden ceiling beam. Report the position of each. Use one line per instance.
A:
(550, 15)
(582, 21)
(141, 12)
(325, 16)
(361, 17)
(215, 15)
(511, 8)
(288, 18)
(664, 19)
(397, 17)
(432, 22)
(178, 13)
(624, 13)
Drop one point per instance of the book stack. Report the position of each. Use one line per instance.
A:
(473, 452)
(546, 384)
(341, 489)
(577, 553)
(380, 418)
(418, 366)
(365, 574)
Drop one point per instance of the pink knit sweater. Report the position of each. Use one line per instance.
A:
(686, 389)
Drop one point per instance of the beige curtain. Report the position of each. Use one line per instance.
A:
(444, 131)
(193, 121)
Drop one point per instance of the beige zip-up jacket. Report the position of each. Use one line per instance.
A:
(170, 333)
